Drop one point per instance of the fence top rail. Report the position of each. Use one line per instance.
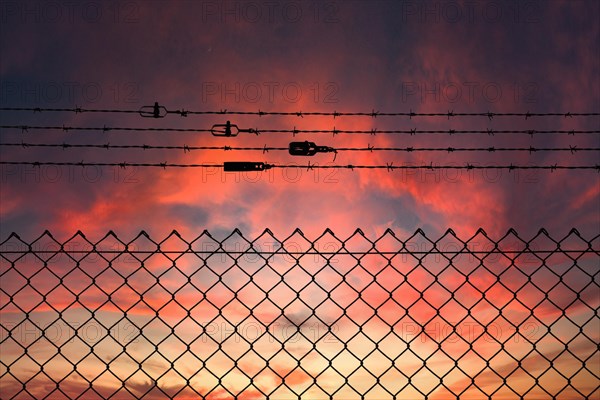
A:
(297, 233)
(300, 253)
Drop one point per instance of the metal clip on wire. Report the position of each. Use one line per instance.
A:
(242, 166)
(155, 111)
(307, 148)
(226, 129)
(229, 129)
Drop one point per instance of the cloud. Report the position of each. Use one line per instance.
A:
(379, 64)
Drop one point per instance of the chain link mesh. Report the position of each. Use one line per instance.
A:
(297, 318)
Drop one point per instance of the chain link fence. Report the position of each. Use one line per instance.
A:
(296, 318)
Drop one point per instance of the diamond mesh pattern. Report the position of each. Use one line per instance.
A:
(300, 318)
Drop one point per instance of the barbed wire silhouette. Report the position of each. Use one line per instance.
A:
(213, 130)
(158, 111)
(187, 148)
(241, 166)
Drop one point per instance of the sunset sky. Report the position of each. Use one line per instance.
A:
(298, 56)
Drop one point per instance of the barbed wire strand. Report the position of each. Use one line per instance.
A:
(265, 148)
(372, 114)
(25, 128)
(309, 166)
(294, 131)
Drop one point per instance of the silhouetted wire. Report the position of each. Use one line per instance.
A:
(312, 252)
(25, 128)
(294, 131)
(265, 148)
(373, 114)
(309, 166)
